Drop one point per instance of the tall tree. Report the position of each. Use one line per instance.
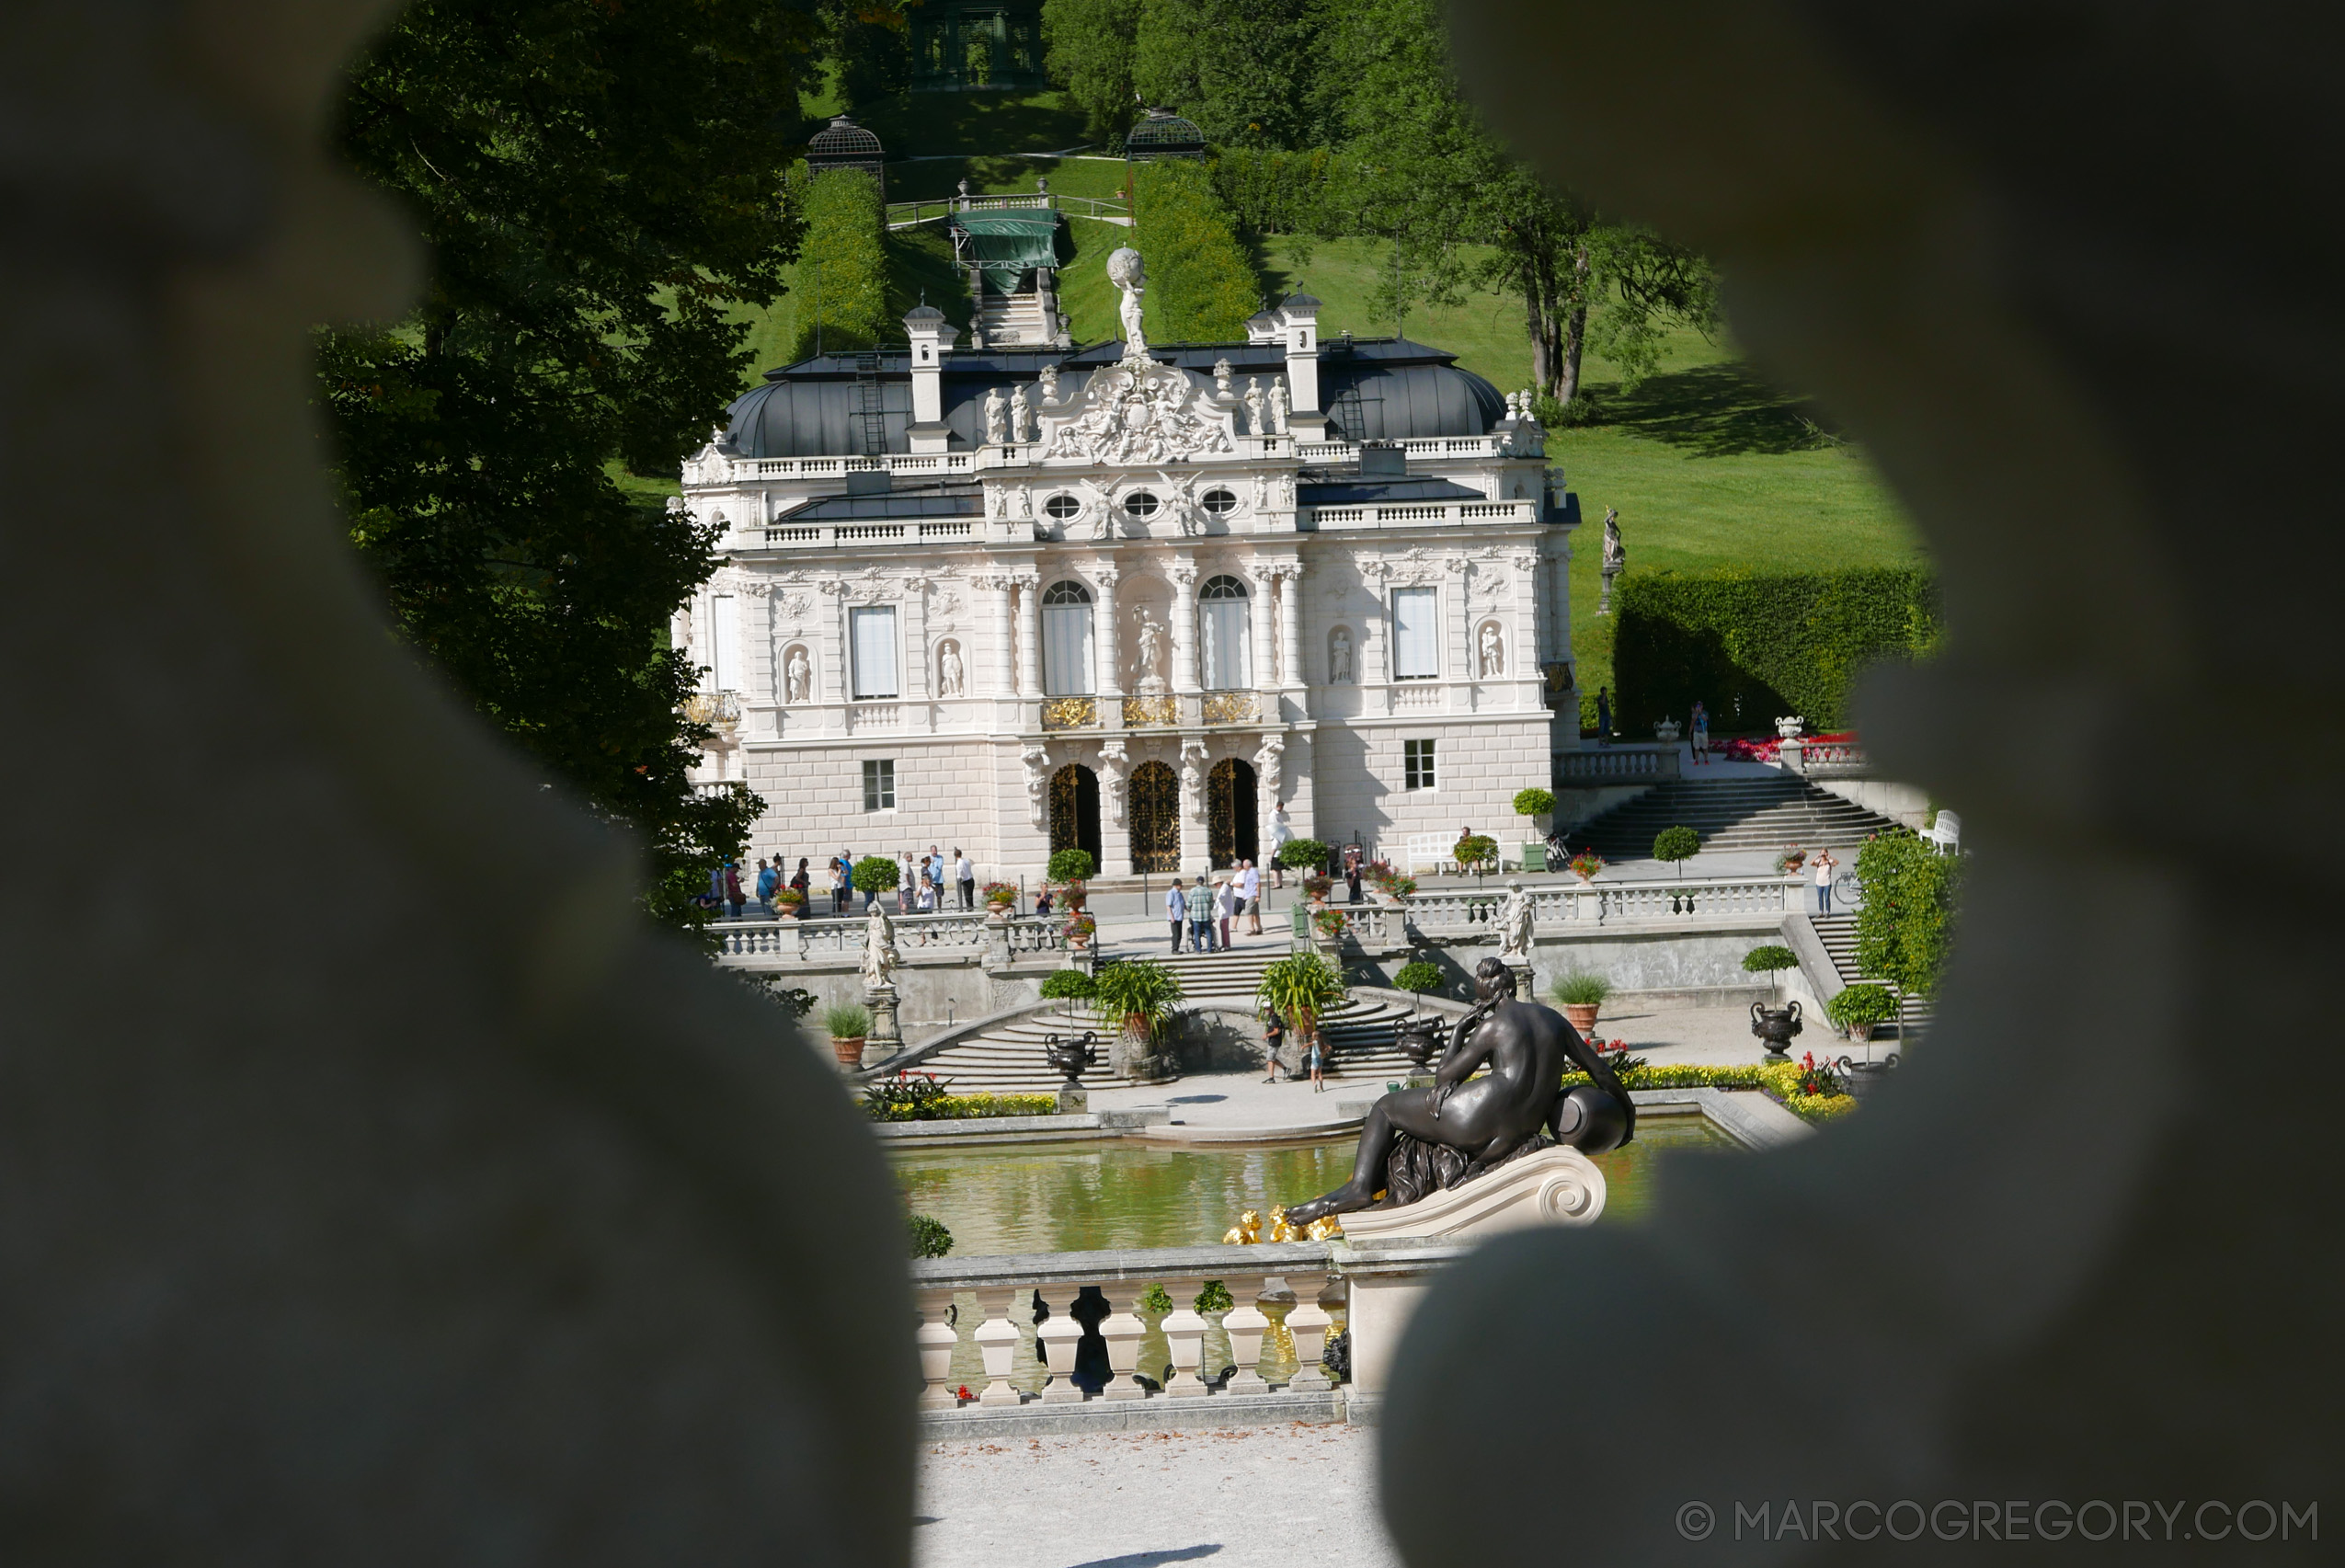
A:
(869, 49)
(1249, 72)
(600, 185)
(1091, 44)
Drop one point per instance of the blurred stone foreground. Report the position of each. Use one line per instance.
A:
(427, 1226)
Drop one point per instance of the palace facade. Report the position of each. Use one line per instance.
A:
(1126, 599)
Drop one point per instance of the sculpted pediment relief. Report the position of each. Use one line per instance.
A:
(1139, 411)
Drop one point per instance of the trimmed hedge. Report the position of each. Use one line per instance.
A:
(843, 266)
(1756, 646)
(1201, 288)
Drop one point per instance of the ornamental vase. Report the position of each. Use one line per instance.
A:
(1583, 1017)
(849, 1050)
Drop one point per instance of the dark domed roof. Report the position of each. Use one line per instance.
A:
(846, 146)
(923, 312)
(1163, 134)
(1299, 300)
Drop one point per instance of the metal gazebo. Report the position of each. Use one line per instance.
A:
(1163, 134)
(843, 145)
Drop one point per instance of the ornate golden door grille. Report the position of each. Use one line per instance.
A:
(1155, 818)
(1229, 813)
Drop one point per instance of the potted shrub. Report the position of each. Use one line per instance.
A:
(1539, 805)
(849, 1025)
(1073, 868)
(1418, 1036)
(1677, 844)
(998, 898)
(1316, 889)
(1857, 1009)
(1581, 995)
(1067, 985)
(1306, 855)
(1790, 860)
(1300, 988)
(1585, 865)
(1770, 961)
(1135, 996)
(790, 903)
(1479, 851)
(1080, 928)
(876, 873)
(1417, 976)
(1398, 889)
(1329, 923)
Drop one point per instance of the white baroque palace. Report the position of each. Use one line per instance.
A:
(1130, 598)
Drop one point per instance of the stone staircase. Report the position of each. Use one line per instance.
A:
(1006, 1057)
(1838, 936)
(1014, 320)
(1731, 814)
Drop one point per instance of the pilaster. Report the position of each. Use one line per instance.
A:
(1183, 576)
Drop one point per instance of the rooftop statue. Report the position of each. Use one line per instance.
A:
(1419, 1141)
(1125, 270)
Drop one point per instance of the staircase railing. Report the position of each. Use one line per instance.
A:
(1461, 911)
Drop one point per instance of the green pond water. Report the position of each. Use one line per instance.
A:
(1073, 1198)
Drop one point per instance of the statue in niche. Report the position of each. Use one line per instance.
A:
(1277, 406)
(952, 676)
(1021, 415)
(880, 957)
(1287, 489)
(1112, 765)
(1420, 1141)
(1493, 651)
(798, 676)
(1149, 638)
(1221, 376)
(1193, 779)
(1024, 503)
(1339, 657)
(996, 417)
(1129, 274)
(1254, 406)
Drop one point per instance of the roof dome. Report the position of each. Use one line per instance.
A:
(1411, 399)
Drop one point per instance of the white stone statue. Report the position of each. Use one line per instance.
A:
(798, 676)
(1221, 377)
(1193, 779)
(1150, 638)
(1266, 765)
(1021, 415)
(1113, 765)
(1515, 923)
(1254, 406)
(880, 958)
(996, 417)
(1339, 657)
(951, 676)
(1286, 490)
(1493, 652)
(1024, 503)
(1037, 761)
(1050, 383)
(1616, 556)
(1125, 270)
(1277, 406)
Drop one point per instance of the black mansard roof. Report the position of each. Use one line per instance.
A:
(1373, 389)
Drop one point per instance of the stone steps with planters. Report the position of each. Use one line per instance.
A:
(1730, 814)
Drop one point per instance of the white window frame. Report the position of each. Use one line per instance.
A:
(879, 783)
(1408, 643)
(867, 682)
(1068, 666)
(1420, 768)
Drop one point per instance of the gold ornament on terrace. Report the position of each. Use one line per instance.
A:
(1247, 1231)
(1150, 713)
(1069, 713)
(1230, 707)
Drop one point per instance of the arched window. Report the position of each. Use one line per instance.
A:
(1139, 506)
(1219, 503)
(1061, 507)
(1224, 633)
(1066, 640)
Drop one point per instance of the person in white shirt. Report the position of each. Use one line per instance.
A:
(966, 875)
(1250, 891)
(1225, 904)
(1824, 865)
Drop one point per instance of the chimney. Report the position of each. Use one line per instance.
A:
(1298, 331)
(932, 338)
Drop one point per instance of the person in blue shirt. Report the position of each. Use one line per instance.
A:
(769, 881)
(1175, 911)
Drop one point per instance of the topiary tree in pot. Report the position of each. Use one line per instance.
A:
(876, 873)
(1068, 985)
(1072, 868)
(1677, 844)
(1770, 961)
(1417, 976)
(1859, 1009)
(1539, 805)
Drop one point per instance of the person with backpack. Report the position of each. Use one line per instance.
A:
(1199, 902)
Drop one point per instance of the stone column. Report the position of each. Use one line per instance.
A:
(1265, 579)
(1290, 624)
(996, 589)
(1106, 649)
(1184, 626)
(1029, 636)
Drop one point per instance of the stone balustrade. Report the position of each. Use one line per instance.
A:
(1597, 765)
(1449, 913)
(750, 942)
(1825, 759)
(976, 1330)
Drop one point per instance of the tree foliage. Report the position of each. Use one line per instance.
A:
(1248, 72)
(1201, 288)
(842, 263)
(1677, 845)
(1090, 46)
(1906, 927)
(601, 190)
(869, 49)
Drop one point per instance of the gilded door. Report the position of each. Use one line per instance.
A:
(1155, 818)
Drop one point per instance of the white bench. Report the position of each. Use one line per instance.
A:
(1946, 832)
(1426, 849)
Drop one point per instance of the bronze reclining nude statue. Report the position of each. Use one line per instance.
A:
(1420, 1141)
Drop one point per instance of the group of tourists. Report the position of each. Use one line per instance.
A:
(925, 884)
(1206, 908)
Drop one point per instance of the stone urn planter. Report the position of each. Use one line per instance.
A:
(1582, 1016)
(1667, 731)
(1419, 1037)
(1775, 1025)
(1077, 893)
(849, 1049)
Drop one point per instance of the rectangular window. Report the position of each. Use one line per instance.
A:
(1416, 650)
(724, 643)
(1066, 650)
(879, 785)
(873, 635)
(1228, 631)
(1416, 762)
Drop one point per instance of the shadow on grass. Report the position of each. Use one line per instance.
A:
(915, 125)
(921, 266)
(1719, 410)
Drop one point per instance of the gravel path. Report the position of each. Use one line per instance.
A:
(1276, 1497)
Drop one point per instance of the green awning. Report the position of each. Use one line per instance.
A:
(1009, 242)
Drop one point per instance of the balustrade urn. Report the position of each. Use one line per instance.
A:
(1058, 1338)
(1245, 1326)
(1308, 1323)
(936, 1339)
(1123, 1331)
(1184, 1329)
(997, 1337)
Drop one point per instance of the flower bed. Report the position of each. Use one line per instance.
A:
(1792, 1084)
(922, 1097)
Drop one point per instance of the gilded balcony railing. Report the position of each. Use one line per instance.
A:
(1069, 713)
(1230, 707)
(1150, 713)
